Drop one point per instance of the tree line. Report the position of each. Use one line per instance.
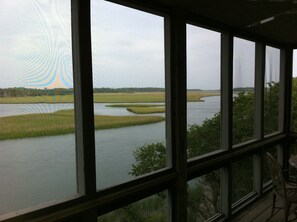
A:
(22, 91)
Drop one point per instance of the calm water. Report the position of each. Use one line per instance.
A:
(37, 170)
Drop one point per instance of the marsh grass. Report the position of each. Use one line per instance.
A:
(141, 108)
(37, 99)
(62, 122)
(134, 105)
(192, 96)
(146, 110)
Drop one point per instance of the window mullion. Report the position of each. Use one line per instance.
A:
(226, 117)
(83, 89)
(259, 90)
(286, 67)
(226, 86)
(175, 42)
(259, 114)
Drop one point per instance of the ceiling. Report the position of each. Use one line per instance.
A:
(274, 20)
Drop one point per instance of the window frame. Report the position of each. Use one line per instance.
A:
(90, 204)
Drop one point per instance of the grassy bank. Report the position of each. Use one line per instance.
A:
(62, 122)
(141, 108)
(192, 96)
(146, 110)
(127, 105)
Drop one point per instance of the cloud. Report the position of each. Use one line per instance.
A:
(203, 58)
(35, 40)
(243, 63)
(127, 46)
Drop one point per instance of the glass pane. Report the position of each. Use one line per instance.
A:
(242, 178)
(293, 149)
(272, 93)
(129, 98)
(37, 142)
(203, 86)
(294, 92)
(266, 174)
(204, 197)
(150, 209)
(243, 90)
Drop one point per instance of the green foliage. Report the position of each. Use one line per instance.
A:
(242, 178)
(271, 107)
(149, 158)
(22, 92)
(151, 209)
(204, 196)
(204, 138)
(243, 117)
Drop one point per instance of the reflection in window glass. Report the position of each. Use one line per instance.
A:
(243, 90)
(203, 90)
(266, 174)
(242, 178)
(272, 93)
(37, 142)
(129, 98)
(294, 92)
(204, 197)
(150, 209)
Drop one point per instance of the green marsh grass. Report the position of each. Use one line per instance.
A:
(146, 110)
(37, 99)
(192, 96)
(62, 122)
(127, 105)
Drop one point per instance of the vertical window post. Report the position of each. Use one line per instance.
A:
(84, 116)
(175, 54)
(259, 90)
(259, 112)
(83, 101)
(286, 68)
(226, 117)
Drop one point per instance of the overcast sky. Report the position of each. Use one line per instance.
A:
(127, 46)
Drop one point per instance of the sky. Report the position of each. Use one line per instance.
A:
(127, 48)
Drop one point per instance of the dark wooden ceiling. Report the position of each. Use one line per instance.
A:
(245, 15)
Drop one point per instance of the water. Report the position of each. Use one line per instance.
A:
(37, 170)
(20, 109)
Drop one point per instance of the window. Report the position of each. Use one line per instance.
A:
(266, 174)
(272, 93)
(203, 90)
(242, 178)
(37, 142)
(152, 208)
(129, 92)
(243, 90)
(133, 141)
(204, 197)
